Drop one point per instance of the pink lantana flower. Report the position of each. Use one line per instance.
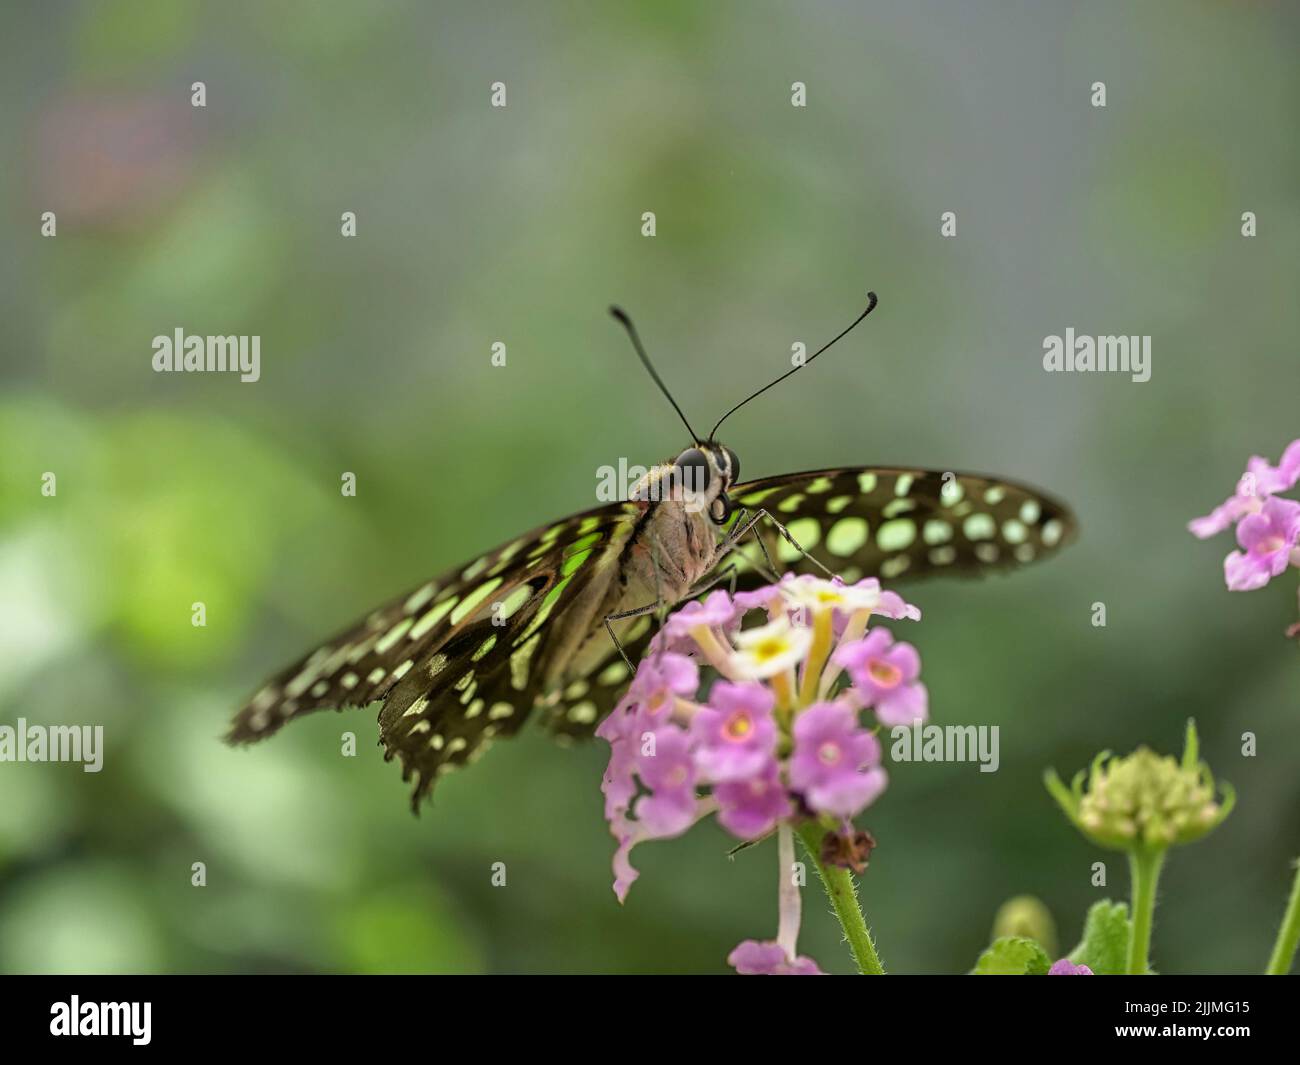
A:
(885, 678)
(735, 732)
(666, 767)
(836, 763)
(1260, 481)
(752, 958)
(1268, 539)
(1267, 526)
(752, 806)
(761, 723)
(716, 610)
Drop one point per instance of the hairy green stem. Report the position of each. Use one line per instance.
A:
(1144, 869)
(1288, 936)
(841, 891)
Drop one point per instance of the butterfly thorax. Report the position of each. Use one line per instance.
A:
(671, 546)
(676, 543)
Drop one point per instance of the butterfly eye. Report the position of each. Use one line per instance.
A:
(691, 471)
(720, 509)
(733, 461)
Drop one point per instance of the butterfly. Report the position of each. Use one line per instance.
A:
(550, 623)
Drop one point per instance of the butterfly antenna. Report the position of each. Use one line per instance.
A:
(871, 306)
(626, 322)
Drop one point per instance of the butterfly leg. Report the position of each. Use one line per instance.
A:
(659, 607)
(732, 543)
(761, 513)
(728, 571)
(635, 612)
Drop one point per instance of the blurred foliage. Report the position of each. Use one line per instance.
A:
(521, 225)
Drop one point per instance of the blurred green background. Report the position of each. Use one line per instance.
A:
(521, 225)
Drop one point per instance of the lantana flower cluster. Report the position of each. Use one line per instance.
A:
(1267, 526)
(753, 707)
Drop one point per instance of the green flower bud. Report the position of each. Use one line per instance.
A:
(1144, 800)
(1026, 917)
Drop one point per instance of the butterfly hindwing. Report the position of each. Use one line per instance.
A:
(904, 523)
(576, 710)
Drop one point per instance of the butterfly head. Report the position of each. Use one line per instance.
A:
(702, 474)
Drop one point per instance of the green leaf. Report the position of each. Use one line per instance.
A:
(1013, 956)
(1106, 931)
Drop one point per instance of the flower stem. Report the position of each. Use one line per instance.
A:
(841, 891)
(1288, 936)
(1144, 870)
(788, 900)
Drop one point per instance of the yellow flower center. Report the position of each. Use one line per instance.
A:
(884, 674)
(738, 726)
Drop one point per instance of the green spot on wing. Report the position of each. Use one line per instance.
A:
(612, 674)
(544, 611)
(511, 603)
(474, 598)
(581, 545)
(393, 635)
(846, 536)
(896, 535)
(432, 618)
(937, 531)
(1013, 532)
(979, 527)
(572, 563)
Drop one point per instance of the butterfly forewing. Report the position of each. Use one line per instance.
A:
(457, 660)
(896, 523)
